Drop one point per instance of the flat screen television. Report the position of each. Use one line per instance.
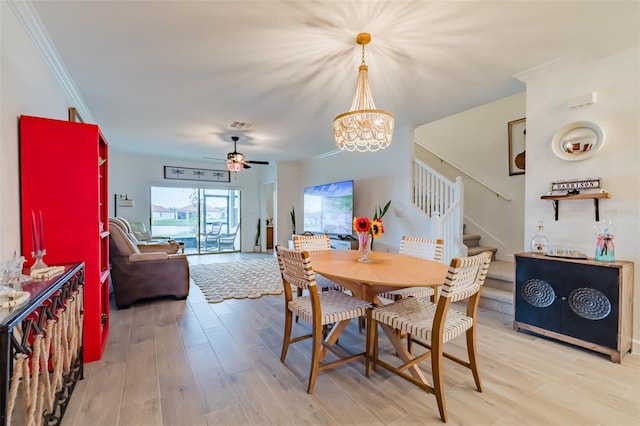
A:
(328, 209)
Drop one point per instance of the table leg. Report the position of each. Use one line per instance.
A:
(333, 337)
(402, 352)
(370, 344)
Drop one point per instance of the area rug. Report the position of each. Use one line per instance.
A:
(238, 280)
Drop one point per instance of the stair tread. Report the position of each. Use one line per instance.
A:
(497, 300)
(472, 251)
(501, 270)
(471, 237)
(497, 294)
(471, 240)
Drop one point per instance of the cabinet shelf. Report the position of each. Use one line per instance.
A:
(48, 146)
(595, 197)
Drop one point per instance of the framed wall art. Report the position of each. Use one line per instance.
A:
(203, 175)
(517, 138)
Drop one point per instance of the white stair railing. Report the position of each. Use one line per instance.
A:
(441, 200)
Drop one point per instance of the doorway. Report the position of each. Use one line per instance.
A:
(206, 220)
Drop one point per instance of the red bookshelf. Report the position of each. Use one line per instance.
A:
(61, 176)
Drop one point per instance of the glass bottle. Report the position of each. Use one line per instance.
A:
(539, 242)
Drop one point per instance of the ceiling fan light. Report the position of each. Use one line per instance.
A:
(234, 166)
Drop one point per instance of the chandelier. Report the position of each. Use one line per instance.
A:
(363, 128)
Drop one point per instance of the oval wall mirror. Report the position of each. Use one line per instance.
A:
(578, 141)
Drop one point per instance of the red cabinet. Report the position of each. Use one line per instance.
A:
(63, 174)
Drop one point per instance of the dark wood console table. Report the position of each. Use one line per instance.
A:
(42, 334)
(578, 301)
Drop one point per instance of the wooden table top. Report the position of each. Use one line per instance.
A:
(387, 271)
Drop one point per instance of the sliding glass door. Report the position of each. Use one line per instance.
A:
(206, 220)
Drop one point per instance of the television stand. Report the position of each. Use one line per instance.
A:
(344, 244)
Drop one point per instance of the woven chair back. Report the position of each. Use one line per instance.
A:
(295, 267)
(425, 248)
(311, 242)
(465, 276)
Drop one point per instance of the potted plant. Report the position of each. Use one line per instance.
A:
(293, 220)
(256, 245)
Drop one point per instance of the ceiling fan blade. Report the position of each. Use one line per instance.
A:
(256, 162)
(246, 166)
(213, 158)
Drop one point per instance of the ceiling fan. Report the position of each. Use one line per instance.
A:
(236, 160)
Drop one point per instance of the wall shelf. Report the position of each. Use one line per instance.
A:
(595, 197)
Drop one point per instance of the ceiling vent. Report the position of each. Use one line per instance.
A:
(239, 125)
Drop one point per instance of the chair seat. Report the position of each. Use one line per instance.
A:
(419, 292)
(335, 306)
(415, 317)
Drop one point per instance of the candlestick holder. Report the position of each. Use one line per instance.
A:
(39, 263)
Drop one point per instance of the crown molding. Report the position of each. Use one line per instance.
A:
(328, 154)
(33, 26)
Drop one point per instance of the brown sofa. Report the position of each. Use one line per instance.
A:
(137, 276)
(148, 246)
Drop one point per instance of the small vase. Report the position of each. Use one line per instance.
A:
(604, 245)
(605, 251)
(364, 246)
(39, 263)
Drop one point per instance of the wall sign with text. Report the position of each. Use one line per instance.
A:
(576, 185)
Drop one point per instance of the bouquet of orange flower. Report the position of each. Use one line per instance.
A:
(374, 226)
(363, 224)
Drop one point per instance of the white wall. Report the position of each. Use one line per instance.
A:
(135, 175)
(476, 143)
(288, 193)
(616, 80)
(27, 87)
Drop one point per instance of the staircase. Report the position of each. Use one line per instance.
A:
(441, 202)
(497, 294)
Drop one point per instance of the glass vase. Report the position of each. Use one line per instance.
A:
(604, 246)
(605, 251)
(39, 263)
(364, 246)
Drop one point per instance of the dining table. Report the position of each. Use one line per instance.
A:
(384, 272)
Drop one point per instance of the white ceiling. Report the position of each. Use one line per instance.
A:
(167, 77)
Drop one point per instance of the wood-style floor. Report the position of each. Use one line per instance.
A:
(192, 363)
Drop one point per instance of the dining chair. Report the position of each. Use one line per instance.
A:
(311, 242)
(318, 308)
(314, 243)
(425, 248)
(433, 324)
